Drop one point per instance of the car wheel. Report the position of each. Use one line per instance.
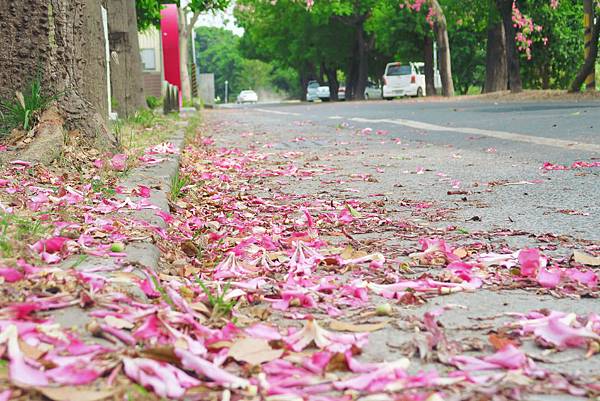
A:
(420, 92)
(388, 98)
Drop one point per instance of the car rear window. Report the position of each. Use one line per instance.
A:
(313, 85)
(393, 70)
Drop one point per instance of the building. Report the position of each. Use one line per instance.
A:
(152, 62)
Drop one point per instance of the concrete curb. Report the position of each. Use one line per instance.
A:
(143, 253)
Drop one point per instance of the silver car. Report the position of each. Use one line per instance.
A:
(372, 91)
(311, 91)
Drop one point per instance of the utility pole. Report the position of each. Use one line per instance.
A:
(588, 21)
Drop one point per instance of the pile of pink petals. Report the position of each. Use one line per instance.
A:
(250, 250)
(574, 166)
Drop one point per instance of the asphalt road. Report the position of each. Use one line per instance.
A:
(438, 164)
(494, 149)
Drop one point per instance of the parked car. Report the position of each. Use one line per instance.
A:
(247, 96)
(406, 80)
(311, 91)
(342, 93)
(323, 93)
(372, 91)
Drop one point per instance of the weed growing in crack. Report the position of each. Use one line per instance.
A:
(177, 184)
(145, 118)
(165, 296)
(100, 186)
(220, 307)
(17, 230)
(23, 111)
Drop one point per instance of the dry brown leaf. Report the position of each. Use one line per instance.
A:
(219, 345)
(31, 351)
(460, 252)
(118, 323)
(253, 351)
(165, 354)
(123, 277)
(200, 307)
(499, 342)
(69, 393)
(586, 259)
(351, 253)
(356, 328)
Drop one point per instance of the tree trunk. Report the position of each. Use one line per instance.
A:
(304, 78)
(429, 67)
(441, 34)
(125, 66)
(64, 43)
(588, 20)
(496, 72)
(545, 73)
(332, 80)
(352, 76)
(362, 75)
(590, 60)
(512, 56)
(185, 30)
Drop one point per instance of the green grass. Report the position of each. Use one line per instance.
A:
(177, 184)
(153, 102)
(16, 231)
(144, 118)
(102, 187)
(23, 111)
(165, 296)
(220, 307)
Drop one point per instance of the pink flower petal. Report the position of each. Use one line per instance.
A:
(210, 370)
(119, 162)
(164, 379)
(10, 275)
(548, 278)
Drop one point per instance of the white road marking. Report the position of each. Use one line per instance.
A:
(510, 136)
(284, 113)
(336, 118)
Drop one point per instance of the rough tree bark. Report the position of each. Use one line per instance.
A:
(590, 60)
(441, 33)
(364, 45)
(334, 85)
(352, 75)
(125, 66)
(588, 21)
(429, 67)
(512, 56)
(64, 43)
(185, 30)
(496, 71)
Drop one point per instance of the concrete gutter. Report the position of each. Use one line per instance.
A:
(141, 254)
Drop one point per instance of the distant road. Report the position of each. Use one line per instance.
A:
(480, 143)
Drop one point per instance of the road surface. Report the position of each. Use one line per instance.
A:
(472, 167)
(494, 149)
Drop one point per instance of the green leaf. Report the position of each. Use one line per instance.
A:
(353, 212)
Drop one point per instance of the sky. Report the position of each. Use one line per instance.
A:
(221, 20)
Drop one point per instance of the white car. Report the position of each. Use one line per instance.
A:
(323, 93)
(372, 91)
(406, 80)
(247, 96)
(311, 91)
